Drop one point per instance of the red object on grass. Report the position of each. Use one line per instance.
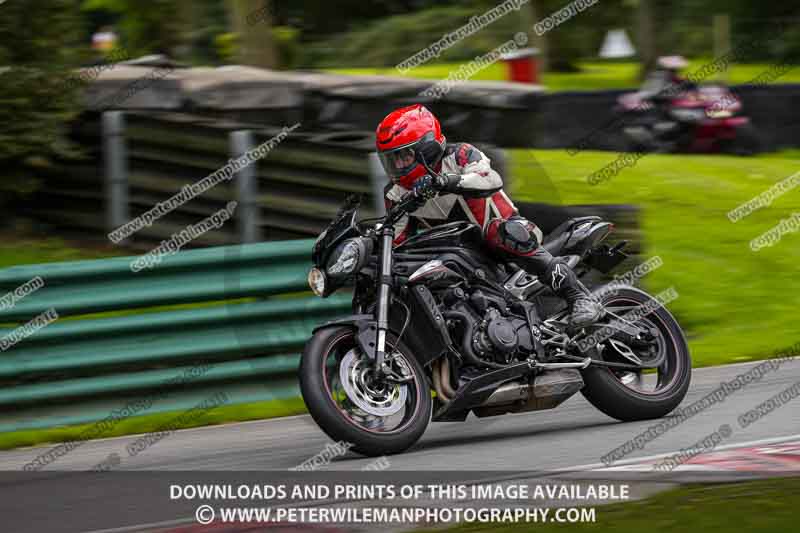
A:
(523, 65)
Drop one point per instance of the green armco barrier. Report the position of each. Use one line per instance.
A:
(228, 319)
(225, 272)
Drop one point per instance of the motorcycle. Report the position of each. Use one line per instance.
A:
(703, 119)
(441, 328)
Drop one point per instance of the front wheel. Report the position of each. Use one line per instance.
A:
(376, 417)
(645, 394)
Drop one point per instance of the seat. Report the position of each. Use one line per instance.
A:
(555, 240)
(556, 245)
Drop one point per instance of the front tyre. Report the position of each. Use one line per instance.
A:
(642, 395)
(348, 404)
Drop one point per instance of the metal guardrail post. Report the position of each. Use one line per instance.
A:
(378, 180)
(246, 189)
(115, 161)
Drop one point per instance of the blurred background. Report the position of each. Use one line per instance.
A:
(111, 106)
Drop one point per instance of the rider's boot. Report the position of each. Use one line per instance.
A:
(556, 274)
(516, 237)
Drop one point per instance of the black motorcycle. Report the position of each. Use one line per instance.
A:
(441, 328)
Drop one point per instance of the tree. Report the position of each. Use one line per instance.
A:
(39, 46)
(539, 41)
(252, 20)
(147, 26)
(646, 37)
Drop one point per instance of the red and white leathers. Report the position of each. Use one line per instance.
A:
(475, 194)
(478, 197)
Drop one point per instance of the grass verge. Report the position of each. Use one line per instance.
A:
(735, 304)
(31, 249)
(155, 422)
(594, 75)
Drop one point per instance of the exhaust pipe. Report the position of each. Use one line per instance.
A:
(509, 393)
(441, 380)
(548, 390)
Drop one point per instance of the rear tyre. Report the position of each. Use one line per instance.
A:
(377, 418)
(621, 396)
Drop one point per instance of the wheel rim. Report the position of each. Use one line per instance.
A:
(664, 351)
(379, 398)
(370, 405)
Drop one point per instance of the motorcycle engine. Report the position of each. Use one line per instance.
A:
(499, 332)
(496, 337)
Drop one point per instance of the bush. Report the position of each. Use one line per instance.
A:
(390, 40)
(227, 45)
(287, 45)
(37, 54)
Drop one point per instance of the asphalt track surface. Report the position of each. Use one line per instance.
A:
(573, 436)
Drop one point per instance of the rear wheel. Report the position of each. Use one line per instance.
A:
(642, 394)
(376, 416)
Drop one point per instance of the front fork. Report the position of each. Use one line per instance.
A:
(384, 295)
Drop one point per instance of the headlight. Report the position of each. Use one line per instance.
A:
(344, 260)
(316, 280)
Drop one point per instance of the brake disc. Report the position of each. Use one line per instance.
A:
(379, 399)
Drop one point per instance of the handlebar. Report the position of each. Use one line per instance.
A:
(401, 208)
(409, 200)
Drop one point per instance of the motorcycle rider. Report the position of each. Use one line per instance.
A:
(660, 87)
(665, 82)
(467, 188)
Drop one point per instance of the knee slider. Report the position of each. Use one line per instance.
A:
(518, 234)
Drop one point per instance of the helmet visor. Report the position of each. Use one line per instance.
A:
(400, 161)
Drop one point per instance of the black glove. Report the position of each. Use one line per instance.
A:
(429, 186)
(426, 187)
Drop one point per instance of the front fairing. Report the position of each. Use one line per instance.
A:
(457, 233)
(344, 227)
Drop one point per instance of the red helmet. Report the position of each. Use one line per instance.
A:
(404, 138)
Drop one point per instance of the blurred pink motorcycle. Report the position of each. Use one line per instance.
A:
(702, 119)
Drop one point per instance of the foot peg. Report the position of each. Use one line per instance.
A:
(552, 366)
